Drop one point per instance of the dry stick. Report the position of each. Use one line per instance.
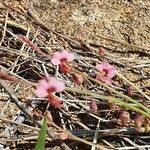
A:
(32, 137)
(5, 26)
(11, 129)
(12, 23)
(125, 79)
(79, 139)
(24, 109)
(10, 50)
(21, 79)
(126, 44)
(16, 123)
(83, 132)
(31, 44)
(60, 129)
(96, 135)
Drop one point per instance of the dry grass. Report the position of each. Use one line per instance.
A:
(88, 26)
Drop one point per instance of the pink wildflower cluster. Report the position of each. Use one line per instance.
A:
(107, 72)
(62, 58)
(47, 88)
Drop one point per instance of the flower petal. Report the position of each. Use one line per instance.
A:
(55, 61)
(55, 103)
(59, 86)
(67, 55)
(99, 67)
(40, 92)
(56, 58)
(107, 68)
(42, 87)
(43, 83)
(63, 55)
(71, 57)
(57, 54)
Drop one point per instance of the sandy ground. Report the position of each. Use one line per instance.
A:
(125, 20)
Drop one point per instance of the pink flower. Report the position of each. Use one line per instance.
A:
(63, 56)
(61, 59)
(54, 101)
(46, 88)
(107, 72)
(49, 85)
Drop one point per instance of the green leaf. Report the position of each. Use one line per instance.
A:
(40, 145)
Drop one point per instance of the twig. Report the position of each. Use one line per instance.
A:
(125, 79)
(79, 139)
(5, 26)
(96, 135)
(18, 124)
(14, 24)
(123, 43)
(116, 101)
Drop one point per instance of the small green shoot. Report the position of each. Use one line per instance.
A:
(40, 145)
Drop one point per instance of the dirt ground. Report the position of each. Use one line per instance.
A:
(124, 20)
